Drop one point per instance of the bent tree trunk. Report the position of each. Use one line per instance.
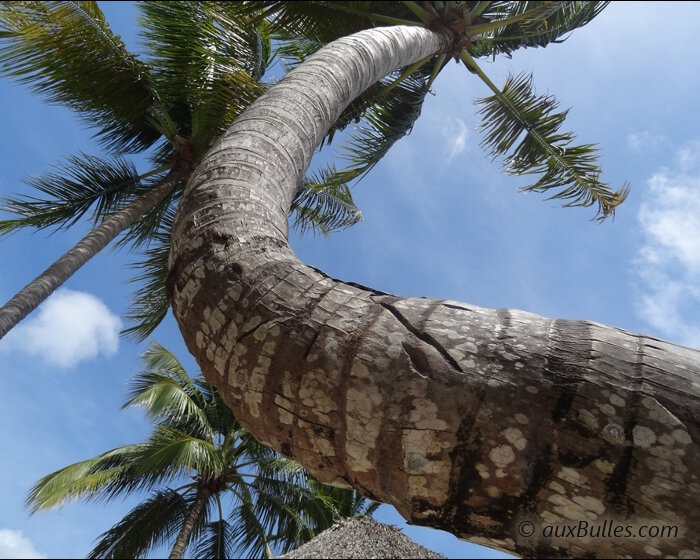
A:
(502, 427)
(34, 293)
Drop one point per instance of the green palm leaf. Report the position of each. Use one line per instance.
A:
(525, 128)
(321, 204)
(290, 512)
(250, 537)
(170, 453)
(165, 400)
(66, 195)
(220, 415)
(548, 22)
(98, 478)
(206, 63)
(150, 303)
(216, 541)
(154, 522)
(66, 52)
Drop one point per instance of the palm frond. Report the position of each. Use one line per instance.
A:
(525, 128)
(323, 205)
(390, 117)
(219, 413)
(250, 537)
(545, 23)
(80, 183)
(227, 97)
(150, 303)
(290, 511)
(66, 52)
(290, 20)
(216, 541)
(167, 401)
(170, 452)
(347, 502)
(102, 477)
(155, 225)
(207, 64)
(154, 522)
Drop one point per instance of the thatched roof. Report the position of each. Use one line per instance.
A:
(361, 538)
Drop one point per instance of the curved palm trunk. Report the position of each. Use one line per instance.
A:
(490, 424)
(34, 293)
(196, 511)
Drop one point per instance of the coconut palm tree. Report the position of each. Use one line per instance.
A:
(464, 418)
(202, 67)
(473, 420)
(234, 495)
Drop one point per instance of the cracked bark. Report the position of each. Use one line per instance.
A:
(467, 419)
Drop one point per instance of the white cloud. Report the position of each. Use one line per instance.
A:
(644, 141)
(69, 327)
(457, 139)
(669, 259)
(15, 545)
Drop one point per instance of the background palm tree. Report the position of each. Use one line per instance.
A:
(234, 496)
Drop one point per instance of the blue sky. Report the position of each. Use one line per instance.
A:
(440, 220)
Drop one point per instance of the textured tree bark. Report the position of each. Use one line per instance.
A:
(34, 293)
(197, 509)
(491, 424)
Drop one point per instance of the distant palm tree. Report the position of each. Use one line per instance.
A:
(274, 504)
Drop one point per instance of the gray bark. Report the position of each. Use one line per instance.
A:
(471, 420)
(34, 293)
(196, 511)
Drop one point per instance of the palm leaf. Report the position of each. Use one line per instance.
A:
(154, 522)
(66, 52)
(250, 537)
(347, 502)
(216, 541)
(290, 512)
(389, 118)
(219, 413)
(206, 63)
(102, 477)
(169, 395)
(292, 20)
(170, 453)
(151, 302)
(82, 182)
(548, 22)
(166, 400)
(525, 128)
(323, 205)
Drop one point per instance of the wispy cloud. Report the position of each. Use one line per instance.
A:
(69, 327)
(457, 135)
(645, 141)
(669, 259)
(13, 544)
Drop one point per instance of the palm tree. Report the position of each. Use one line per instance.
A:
(468, 419)
(274, 504)
(203, 67)
(464, 418)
